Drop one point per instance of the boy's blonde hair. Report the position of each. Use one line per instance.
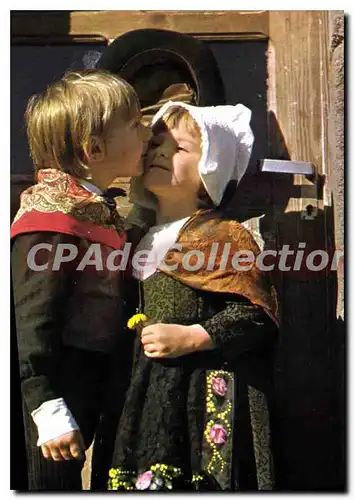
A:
(177, 115)
(61, 120)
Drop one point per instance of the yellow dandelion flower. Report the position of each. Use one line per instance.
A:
(135, 320)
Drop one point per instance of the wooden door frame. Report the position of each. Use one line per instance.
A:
(110, 24)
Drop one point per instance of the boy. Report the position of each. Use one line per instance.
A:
(83, 132)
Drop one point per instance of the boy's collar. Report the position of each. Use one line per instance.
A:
(111, 192)
(90, 187)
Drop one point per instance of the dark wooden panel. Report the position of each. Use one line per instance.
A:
(33, 67)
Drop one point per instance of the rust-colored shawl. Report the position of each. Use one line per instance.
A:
(202, 230)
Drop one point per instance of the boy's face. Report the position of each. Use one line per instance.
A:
(124, 147)
(172, 161)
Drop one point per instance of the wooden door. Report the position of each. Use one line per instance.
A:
(276, 64)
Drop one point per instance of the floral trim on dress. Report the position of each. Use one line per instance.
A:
(158, 477)
(120, 479)
(217, 448)
(161, 477)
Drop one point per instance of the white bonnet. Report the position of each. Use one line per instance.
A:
(227, 141)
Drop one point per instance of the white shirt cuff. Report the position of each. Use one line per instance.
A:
(53, 418)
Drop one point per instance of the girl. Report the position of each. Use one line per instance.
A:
(196, 417)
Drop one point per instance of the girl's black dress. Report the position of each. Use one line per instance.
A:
(200, 421)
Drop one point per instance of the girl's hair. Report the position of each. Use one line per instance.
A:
(172, 119)
(61, 121)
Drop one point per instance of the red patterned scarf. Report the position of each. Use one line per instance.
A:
(58, 203)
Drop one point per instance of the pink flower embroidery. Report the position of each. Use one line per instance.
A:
(219, 386)
(218, 434)
(144, 480)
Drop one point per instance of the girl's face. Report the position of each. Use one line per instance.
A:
(172, 162)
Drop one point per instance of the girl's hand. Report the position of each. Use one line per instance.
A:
(162, 340)
(68, 446)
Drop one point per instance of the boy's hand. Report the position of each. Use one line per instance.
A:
(68, 446)
(162, 340)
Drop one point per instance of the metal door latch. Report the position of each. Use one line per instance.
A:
(306, 179)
